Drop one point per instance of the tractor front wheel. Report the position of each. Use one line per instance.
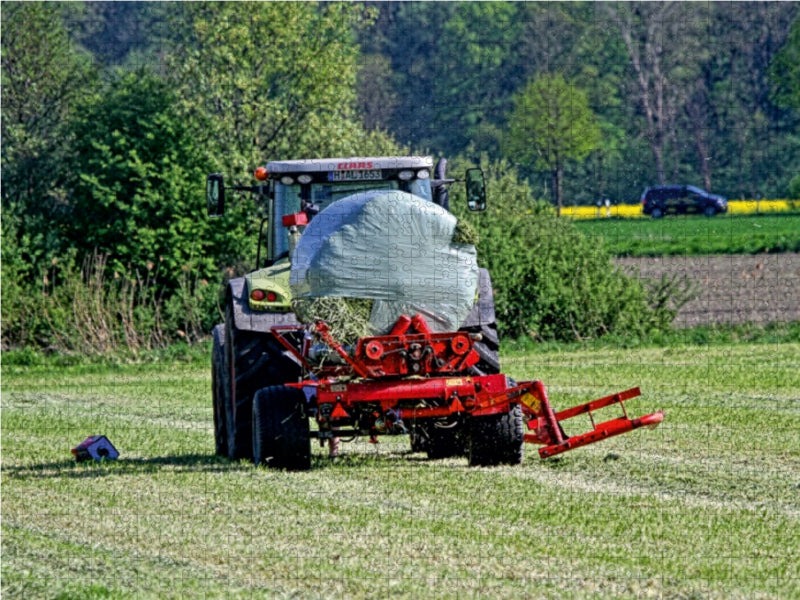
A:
(220, 390)
(496, 439)
(281, 434)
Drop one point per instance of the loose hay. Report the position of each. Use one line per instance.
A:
(465, 233)
(347, 318)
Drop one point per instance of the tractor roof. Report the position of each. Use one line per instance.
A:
(317, 165)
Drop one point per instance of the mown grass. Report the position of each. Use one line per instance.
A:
(706, 506)
(697, 235)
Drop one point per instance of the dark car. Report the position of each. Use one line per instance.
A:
(681, 199)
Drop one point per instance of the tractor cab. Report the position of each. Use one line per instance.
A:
(310, 186)
(289, 187)
(292, 192)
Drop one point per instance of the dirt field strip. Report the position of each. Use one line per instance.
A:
(732, 289)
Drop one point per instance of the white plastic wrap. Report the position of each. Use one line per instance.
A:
(394, 248)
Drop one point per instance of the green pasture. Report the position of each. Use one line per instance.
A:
(693, 235)
(706, 506)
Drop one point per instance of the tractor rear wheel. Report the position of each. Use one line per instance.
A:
(496, 439)
(281, 434)
(253, 360)
(481, 320)
(438, 442)
(445, 442)
(220, 390)
(487, 348)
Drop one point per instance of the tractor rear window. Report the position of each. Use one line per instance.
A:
(288, 198)
(325, 194)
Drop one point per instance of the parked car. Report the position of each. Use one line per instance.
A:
(681, 199)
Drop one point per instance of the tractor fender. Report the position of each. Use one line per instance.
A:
(483, 311)
(247, 319)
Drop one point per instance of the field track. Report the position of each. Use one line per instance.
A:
(732, 289)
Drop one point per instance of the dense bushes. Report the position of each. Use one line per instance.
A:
(105, 241)
(550, 281)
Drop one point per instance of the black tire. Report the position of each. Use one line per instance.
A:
(281, 434)
(220, 391)
(419, 443)
(487, 348)
(438, 442)
(445, 442)
(254, 360)
(496, 439)
(657, 213)
(481, 319)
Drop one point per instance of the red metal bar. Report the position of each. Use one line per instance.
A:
(551, 421)
(324, 333)
(602, 431)
(597, 404)
(276, 333)
(392, 391)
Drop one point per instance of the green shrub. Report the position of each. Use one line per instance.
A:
(550, 281)
(137, 188)
(84, 311)
(794, 189)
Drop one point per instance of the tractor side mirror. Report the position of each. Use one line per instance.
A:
(215, 195)
(476, 190)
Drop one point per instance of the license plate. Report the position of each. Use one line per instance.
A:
(368, 175)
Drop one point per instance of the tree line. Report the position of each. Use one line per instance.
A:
(703, 93)
(113, 113)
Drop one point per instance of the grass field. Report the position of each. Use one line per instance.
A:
(706, 506)
(695, 235)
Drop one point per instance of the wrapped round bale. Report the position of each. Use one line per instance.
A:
(389, 247)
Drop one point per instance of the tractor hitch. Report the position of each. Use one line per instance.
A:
(546, 425)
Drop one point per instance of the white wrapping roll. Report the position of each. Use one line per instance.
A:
(394, 248)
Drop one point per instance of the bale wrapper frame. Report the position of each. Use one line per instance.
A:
(413, 380)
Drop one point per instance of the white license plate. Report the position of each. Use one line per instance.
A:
(370, 175)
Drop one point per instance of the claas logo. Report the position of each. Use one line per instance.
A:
(352, 166)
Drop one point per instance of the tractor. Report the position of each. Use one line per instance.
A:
(375, 230)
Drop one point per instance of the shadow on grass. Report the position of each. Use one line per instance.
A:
(178, 463)
(209, 463)
(380, 458)
(196, 463)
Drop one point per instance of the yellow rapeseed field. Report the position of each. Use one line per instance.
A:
(634, 211)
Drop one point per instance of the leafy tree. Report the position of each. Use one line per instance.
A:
(377, 100)
(551, 123)
(785, 74)
(265, 79)
(661, 47)
(755, 143)
(474, 75)
(785, 70)
(413, 51)
(137, 180)
(43, 76)
(121, 34)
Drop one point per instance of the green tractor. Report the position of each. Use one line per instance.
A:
(248, 357)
